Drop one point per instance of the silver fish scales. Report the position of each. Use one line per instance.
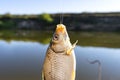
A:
(60, 62)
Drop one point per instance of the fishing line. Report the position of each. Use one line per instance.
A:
(61, 18)
(61, 13)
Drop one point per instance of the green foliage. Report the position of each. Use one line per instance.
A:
(1, 22)
(45, 21)
(101, 39)
(7, 24)
(46, 17)
(7, 15)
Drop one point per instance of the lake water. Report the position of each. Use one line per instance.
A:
(22, 54)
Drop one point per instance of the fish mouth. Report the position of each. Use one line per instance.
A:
(60, 34)
(60, 29)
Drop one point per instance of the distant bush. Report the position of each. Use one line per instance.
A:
(46, 17)
(7, 15)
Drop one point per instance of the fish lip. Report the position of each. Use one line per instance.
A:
(60, 36)
(60, 29)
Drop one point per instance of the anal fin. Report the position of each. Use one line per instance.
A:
(43, 77)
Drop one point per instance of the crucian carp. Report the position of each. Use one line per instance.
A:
(60, 61)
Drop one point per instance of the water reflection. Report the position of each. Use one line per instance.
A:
(21, 60)
(109, 58)
(84, 38)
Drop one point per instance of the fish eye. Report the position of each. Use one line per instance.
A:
(56, 37)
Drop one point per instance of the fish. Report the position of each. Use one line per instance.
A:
(60, 61)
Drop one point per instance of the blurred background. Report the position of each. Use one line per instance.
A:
(26, 28)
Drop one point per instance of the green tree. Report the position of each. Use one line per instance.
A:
(7, 15)
(46, 17)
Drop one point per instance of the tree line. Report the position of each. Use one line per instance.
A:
(75, 21)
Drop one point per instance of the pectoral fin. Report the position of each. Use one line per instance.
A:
(73, 46)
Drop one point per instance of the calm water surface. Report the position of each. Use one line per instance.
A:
(21, 56)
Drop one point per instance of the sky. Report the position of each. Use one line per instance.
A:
(58, 6)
